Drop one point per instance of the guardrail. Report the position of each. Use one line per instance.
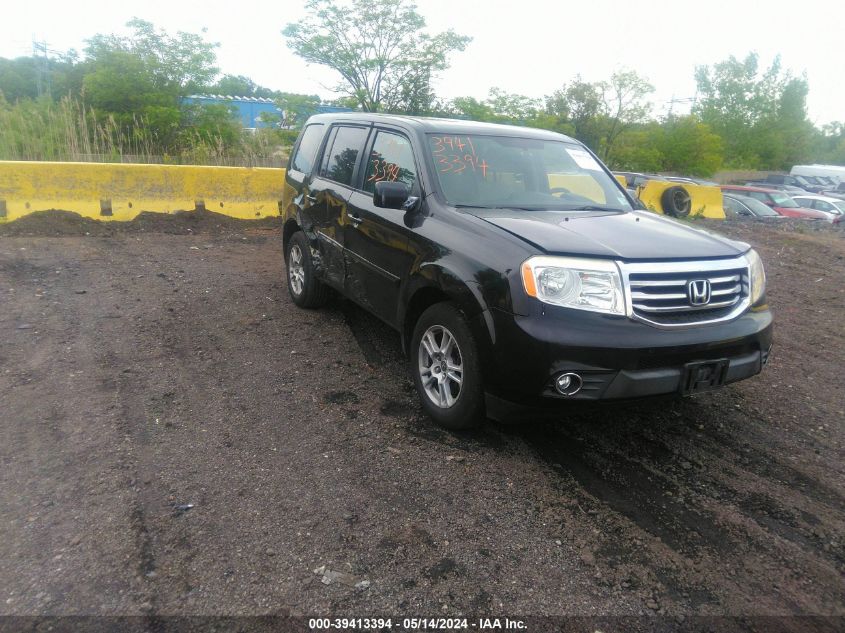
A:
(106, 191)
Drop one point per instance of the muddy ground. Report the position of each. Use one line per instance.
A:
(177, 438)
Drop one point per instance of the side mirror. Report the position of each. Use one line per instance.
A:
(391, 195)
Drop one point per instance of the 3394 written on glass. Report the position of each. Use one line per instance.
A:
(455, 154)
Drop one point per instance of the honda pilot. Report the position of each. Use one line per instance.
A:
(514, 267)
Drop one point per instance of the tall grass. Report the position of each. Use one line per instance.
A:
(66, 130)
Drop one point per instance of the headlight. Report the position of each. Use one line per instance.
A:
(758, 276)
(583, 284)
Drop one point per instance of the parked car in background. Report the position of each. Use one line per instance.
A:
(788, 189)
(742, 206)
(828, 181)
(832, 171)
(690, 179)
(799, 182)
(833, 207)
(820, 181)
(837, 192)
(777, 200)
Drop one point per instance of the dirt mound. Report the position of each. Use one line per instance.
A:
(56, 223)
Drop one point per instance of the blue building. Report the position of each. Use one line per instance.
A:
(250, 109)
(247, 109)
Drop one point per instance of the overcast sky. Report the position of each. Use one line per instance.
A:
(530, 47)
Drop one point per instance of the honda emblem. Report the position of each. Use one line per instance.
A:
(698, 292)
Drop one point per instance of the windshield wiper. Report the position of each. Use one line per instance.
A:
(594, 207)
(539, 207)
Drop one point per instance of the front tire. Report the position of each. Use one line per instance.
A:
(446, 368)
(305, 289)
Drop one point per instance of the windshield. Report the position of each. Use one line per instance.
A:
(756, 207)
(507, 172)
(782, 200)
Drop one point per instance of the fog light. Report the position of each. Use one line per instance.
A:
(568, 384)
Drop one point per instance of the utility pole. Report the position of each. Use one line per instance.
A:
(40, 54)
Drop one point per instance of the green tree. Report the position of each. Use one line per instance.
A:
(624, 105)
(598, 112)
(121, 82)
(470, 108)
(17, 78)
(31, 77)
(637, 149)
(215, 123)
(377, 47)
(761, 116)
(514, 107)
(829, 146)
(142, 79)
(499, 107)
(688, 146)
(240, 86)
(581, 105)
(169, 67)
(296, 108)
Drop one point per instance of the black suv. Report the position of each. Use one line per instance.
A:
(514, 267)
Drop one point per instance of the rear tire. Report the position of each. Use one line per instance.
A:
(305, 289)
(446, 369)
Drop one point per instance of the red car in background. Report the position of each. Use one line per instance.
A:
(777, 200)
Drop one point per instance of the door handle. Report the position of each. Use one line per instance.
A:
(310, 198)
(354, 220)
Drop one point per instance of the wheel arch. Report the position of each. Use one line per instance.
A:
(290, 227)
(436, 284)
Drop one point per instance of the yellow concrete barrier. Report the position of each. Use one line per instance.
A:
(706, 200)
(106, 191)
(580, 184)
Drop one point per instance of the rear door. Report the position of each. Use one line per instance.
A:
(328, 194)
(376, 239)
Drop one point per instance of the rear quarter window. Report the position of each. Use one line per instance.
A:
(306, 152)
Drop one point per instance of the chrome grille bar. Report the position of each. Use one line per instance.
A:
(656, 292)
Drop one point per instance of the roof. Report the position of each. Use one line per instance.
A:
(440, 125)
(814, 196)
(744, 188)
(232, 98)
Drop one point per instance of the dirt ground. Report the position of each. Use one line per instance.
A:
(177, 438)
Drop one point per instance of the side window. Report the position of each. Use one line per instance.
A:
(343, 155)
(759, 195)
(306, 152)
(391, 159)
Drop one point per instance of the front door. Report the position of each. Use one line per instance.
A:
(376, 239)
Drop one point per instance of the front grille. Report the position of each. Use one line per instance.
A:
(659, 295)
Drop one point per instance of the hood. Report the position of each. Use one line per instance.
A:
(619, 235)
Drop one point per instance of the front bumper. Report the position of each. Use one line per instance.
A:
(617, 358)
